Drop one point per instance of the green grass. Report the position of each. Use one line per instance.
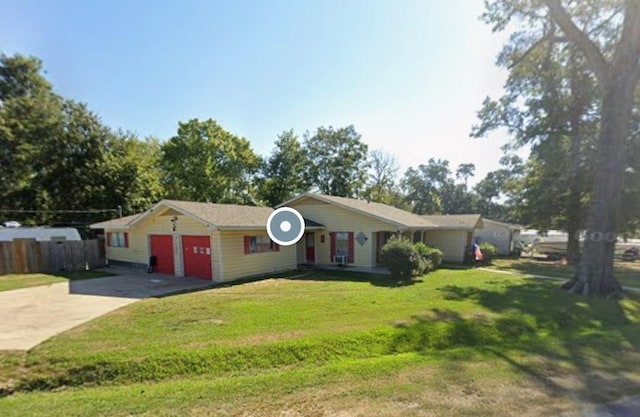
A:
(354, 343)
(628, 273)
(16, 281)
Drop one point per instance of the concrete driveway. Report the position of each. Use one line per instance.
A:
(29, 316)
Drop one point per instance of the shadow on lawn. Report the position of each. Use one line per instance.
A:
(593, 340)
(378, 280)
(538, 267)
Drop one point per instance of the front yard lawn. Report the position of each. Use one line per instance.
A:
(16, 281)
(628, 273)
(457, 342)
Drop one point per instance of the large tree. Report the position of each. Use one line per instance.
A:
(281, 174)
(549, 105)
(607, 36)
(132, 169)
(382, 186)
(29, 114)
(337, 161)
(57, 156)
(204, 162)
(422, 186)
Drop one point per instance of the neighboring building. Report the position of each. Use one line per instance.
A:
(220, 242)
(39, 233)
(503, 235)
(456, 234)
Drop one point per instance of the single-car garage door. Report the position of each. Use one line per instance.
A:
(196, 251)
(162, 249)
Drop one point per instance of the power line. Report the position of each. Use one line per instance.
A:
(116, 210)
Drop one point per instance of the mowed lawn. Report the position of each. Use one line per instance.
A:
(628, 273)
(457, 342)
(17, 281)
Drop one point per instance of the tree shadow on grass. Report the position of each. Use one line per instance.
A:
(378, 280)
(585, 348)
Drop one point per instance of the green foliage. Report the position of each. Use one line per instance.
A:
(489, 251)
(337, 161)
(402, 259)
(281, 175)
(56, 154)
(204, 162)
(431, 189)
(264, 328)
(421, 186)
(431, 256)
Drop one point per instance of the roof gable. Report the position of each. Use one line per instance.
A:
(219, 216)
(379, 211)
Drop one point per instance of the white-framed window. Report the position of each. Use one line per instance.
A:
(342, 243)
(118, 239)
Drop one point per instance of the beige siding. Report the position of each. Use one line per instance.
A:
(238, 265)
(337, 219)
(138, 250)
(450, 242)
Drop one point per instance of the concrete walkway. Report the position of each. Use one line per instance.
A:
(29, 316)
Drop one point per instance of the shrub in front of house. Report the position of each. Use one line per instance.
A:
(431, 256)
(489, 252)
(402, 259)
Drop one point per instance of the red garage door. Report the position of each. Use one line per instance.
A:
(196, 251)
(162, 249)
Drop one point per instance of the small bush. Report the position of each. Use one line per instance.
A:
(489, 251)
(402, 259)
(431, 256)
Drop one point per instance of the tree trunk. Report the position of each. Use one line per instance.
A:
(580, 99)
(594, 273)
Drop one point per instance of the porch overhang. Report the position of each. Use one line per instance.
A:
(311, 225)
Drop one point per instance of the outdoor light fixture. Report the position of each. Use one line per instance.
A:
(174, 222)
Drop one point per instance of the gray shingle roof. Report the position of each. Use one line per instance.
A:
(455, 221)
(225, 215)
(378, 210)
(120, 222)
(222, 216)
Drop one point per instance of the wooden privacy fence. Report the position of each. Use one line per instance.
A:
(28, 255)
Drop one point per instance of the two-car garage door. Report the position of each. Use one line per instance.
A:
(196, 255)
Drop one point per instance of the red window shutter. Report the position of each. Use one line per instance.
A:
(108, 238)
(332, 237)
(126, 240)
(247, 245)
(351, 249)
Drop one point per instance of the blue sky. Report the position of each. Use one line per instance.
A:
(409, 75)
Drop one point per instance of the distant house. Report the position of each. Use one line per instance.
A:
(219, 242)
(39, 233)
(502, 235)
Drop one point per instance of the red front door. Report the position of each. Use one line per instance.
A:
(162, 249)
(310, 243)
(196, 251)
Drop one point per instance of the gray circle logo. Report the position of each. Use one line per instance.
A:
(285, 226)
